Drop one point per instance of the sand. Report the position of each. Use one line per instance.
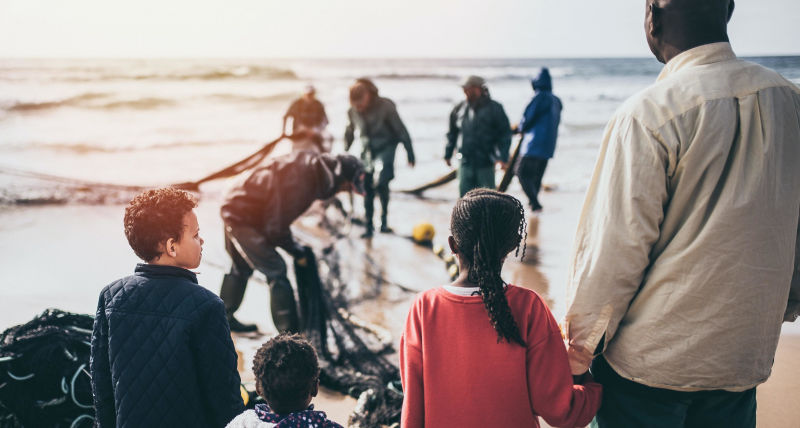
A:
(61, 256)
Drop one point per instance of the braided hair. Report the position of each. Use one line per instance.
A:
(486, 225)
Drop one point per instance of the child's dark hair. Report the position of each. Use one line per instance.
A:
(154, 216)
(486, 226)
(286, 368)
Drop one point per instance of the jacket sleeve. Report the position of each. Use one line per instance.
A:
(411, 363)
(452, 132)
(400, 132)
(793, 306)
(99, 366)
(503, 130)
(538, 107)
(553, 395)
(216, 363)
(619, 223)
(349, 131)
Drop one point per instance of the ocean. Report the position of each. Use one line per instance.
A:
(149, 122)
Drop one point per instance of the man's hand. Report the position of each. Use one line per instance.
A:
(502, 165)
(411, 163)
(447, 161)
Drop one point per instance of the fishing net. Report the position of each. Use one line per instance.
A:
(351, 351)
(44, 372)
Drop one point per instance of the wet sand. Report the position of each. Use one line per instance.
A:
(61, 256)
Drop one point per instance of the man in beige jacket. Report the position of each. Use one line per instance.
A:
(686, 256)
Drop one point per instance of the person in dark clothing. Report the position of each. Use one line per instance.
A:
(257, 214)
(307, 113)
(380, 130)
(161, 350)
(539, 129)
(485, 135)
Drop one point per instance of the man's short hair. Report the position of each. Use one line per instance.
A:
(154, 216)
(286, 368)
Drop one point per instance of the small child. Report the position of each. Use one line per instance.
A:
(479, 352)
(162, 353)
(287, 376)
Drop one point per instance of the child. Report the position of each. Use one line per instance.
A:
(162, 353)
(287, 376)
(479, 352)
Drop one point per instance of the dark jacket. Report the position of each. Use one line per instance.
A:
(381, 129)
(162, 353)
(484, 130)
(308, 113)
(539, 124)
(276, 194)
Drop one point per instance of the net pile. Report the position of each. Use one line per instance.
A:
(44, 372)
(351, 352)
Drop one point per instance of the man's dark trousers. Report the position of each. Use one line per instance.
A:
(530, 170)
(631, 404)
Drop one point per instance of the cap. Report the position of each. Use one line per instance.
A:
(473, 82)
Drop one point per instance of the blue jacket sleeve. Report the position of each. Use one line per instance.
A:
(216, 363)
(99, 366)
(537, 108)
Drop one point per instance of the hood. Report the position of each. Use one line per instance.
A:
(542, 81)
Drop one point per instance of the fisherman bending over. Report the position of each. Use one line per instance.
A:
(257, 214)
(380, 129)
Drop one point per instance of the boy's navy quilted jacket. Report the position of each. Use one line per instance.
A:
(162, 353)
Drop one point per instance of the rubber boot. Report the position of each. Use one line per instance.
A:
(283, 307)
(383, 194)
(232, 293)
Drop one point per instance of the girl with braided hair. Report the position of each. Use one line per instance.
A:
(480, 352)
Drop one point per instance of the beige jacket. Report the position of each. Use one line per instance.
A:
(685, 255)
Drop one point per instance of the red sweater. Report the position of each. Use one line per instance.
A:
(456, 374)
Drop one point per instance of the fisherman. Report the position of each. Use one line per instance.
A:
(257, 214)
(539, 129)
(308, 120)
(380, 130)
(485, 136)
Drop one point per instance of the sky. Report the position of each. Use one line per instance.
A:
(361, 28)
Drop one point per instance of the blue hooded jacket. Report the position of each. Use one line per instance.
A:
(539, 124)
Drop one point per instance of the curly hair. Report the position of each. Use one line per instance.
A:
(286, 368)
(486, 226)
(154, 216)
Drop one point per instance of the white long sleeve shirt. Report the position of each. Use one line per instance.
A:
(686, 252)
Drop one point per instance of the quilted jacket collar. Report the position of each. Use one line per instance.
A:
(159, 270)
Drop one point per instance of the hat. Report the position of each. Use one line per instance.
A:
(473, 82)
(352, 170)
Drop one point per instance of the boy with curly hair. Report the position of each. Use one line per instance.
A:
(162, 353)
(287, 377)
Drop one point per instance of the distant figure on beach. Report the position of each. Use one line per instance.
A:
(308, 121)
(257, 213)
(287, 377)
(539, 129)
(480, 352)
(481, 125)
(380, 129)
(162, 353)
(686, 255)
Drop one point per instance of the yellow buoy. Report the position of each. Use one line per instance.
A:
(423, 233)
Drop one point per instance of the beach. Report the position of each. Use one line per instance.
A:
(150, 123)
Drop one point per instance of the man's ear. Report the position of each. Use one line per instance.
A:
(654, 14)
(731, 6)
(170, 248)
(452, 243)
